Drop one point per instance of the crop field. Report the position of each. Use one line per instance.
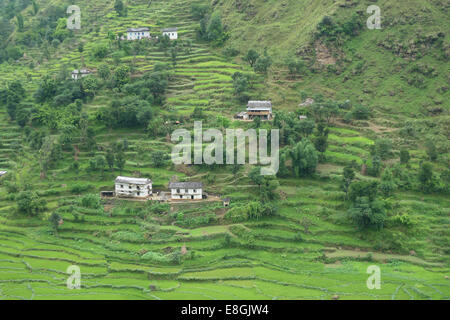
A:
(308, 249)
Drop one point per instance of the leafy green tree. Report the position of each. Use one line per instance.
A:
(263, 63)
(120, 160)
(199, 10)
(367, 214)
(304, 159)
(404, 156)
(120, 8)
(347, 179)
(29, 202)
(104, 71)
(431, 150)
(426, 178)
(158, 159)
(368, 189)
(387, 185)
(296, 66)
(110, 159)
(251, 57)
(55, 221)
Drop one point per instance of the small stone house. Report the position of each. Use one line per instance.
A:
(133, 187)
(138, 33)
(172, 33)
(2, 173)
(261, 109)
(78, 74)
(186, 190)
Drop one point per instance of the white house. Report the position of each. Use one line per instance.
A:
(138, 33)
(186, 190)
(2, 173)
(133, 187)
(261, 109)
(78, 74)
(172, 33)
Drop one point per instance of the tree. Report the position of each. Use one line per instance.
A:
(321, 140)
(304, 158)
(29, 202)
(214, 30)
(19, 18)
(361, 189)
(104, 71)
(387, 185)
(110, 159)
(295, 66)
(404, 156)
(55, 221)
(120, 8)
(158, 159)
(347, 179)
(263, 63)
(367, 214)
(426, 177)
(431, 150)
(251, 57)
(120, 160)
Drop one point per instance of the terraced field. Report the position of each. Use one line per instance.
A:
(127, 250)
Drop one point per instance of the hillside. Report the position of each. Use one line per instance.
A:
(375, 142)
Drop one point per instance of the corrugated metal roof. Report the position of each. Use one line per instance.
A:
(170, 30)
(138, 29)
(133, 180)
(185, 185)
(259, 105)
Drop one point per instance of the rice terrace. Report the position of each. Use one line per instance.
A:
(92, 207)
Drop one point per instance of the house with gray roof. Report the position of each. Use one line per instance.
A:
(133, 187)
(172, 33)
(261, 109)
(138, 33)
(78, 74)
(186, 190)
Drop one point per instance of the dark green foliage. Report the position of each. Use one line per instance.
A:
(127, 112)
(426, 177)
(404, 156)
(30, 203)
(361, 189)
(251, 57)
(368, 214)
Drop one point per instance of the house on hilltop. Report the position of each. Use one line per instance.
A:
(138, 33)
(133, 187)
(78, 74)
(186, 190)
(172, 33)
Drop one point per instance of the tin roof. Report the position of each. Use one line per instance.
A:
(185, 185)
(133, 180)
(138, 29)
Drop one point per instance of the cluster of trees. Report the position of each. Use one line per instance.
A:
(260, 63)
(337, 32)
(253, 210)
(210, 28)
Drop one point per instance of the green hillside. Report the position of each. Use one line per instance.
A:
(363, 181)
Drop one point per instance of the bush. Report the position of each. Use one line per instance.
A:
(91, 201)
(29, 202)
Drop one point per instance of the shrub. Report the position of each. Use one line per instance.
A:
(91, 201)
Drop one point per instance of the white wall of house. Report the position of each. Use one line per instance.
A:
(187, 194)
(133, 190)
(138, 35)
(173, 35)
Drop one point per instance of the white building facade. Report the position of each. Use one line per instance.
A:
(78, 74)
(138, 33)
(186, 190)
(172, 33)
(133, 187)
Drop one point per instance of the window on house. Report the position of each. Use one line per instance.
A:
(138, 193)
(195, 191)
(178, 190)
(138, 188)
(121, 185)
